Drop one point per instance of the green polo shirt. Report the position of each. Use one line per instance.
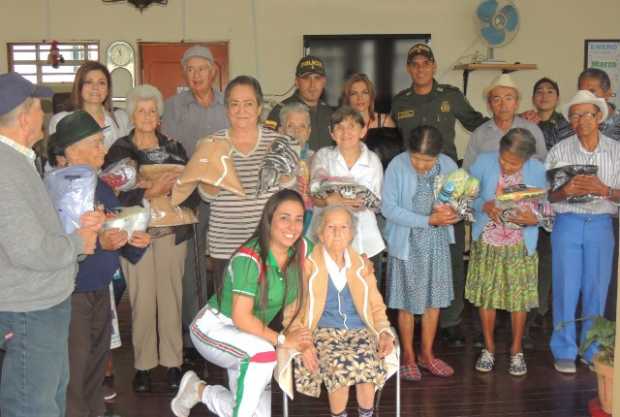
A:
(242, 277)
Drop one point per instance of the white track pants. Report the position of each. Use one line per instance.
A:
(249, 360)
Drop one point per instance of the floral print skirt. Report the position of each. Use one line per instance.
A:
(346, 357)
(502, 277)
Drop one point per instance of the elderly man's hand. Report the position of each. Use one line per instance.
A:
(89, 240)
(386, 344)
(310, 360)
(584, 185)
(92, 220)
(113, 239)
(140, 239)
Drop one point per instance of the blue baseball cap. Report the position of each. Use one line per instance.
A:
(15, 89)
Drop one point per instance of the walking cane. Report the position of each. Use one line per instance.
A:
(198, 278)
(197, 270)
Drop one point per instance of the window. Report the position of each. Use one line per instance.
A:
(30, 60)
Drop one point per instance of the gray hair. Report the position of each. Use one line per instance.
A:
(294, 108)
(8, 119)
(519, 141)
(144, 92)
(319, 220)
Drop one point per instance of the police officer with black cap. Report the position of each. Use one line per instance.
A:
(427, 102)
(310, 80)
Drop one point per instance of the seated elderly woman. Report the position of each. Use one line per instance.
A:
(345, 312)
(155, 283)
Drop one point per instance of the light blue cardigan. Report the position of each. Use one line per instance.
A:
(486, 169)
(399, 186)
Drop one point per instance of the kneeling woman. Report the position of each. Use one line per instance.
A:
(345, 311)
(232, 331)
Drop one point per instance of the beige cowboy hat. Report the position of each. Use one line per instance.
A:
(503, 80)
(586, 97)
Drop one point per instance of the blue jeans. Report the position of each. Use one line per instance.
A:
(582, 256)
(35, 371)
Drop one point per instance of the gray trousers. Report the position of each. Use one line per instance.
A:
(453, 314)
(190, 290)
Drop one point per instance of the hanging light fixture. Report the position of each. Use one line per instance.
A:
(140, 4)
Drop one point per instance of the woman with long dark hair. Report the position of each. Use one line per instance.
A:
(232, 330)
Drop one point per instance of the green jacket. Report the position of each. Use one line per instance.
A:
(319, 119)
(440, 108)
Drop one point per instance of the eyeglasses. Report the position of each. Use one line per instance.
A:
(587, 116)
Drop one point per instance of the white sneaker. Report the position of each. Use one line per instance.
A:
(187, 396)
(565, 366)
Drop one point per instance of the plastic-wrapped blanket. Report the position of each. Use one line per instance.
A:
(523, 197)
(72, 191)
(130, 219)
(282, 161)
(559, 176)
(346, 187)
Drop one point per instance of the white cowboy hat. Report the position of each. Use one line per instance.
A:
(586, 97)
(503, 80)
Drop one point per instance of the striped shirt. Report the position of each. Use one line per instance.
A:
(610, 127)
(605, 156)
(233, 218)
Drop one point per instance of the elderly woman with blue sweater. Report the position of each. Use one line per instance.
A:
(418, 233)
(503, 267)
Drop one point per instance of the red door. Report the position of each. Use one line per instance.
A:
(161, 64)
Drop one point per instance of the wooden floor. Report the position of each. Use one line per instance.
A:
(543, 392)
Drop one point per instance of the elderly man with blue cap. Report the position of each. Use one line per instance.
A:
(38, 261)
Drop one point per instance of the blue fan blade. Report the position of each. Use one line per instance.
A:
(486, 10)
(512, 17)
(492, 35)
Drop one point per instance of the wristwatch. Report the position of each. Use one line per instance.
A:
(280, 339)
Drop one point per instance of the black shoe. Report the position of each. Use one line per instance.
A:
(142, 381)
(173, 376)
(453, 336)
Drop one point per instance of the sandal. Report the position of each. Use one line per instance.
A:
(410, 372)
(437, 367)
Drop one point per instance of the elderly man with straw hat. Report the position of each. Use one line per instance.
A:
(502, 97)
(582, 239)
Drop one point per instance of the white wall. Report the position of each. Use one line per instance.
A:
(268, 43)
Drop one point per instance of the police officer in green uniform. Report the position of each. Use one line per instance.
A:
(427, 102)
(310, 80)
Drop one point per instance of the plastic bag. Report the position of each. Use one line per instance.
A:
(560, 176)
(282, 160)
(130, 219)
(121, 175)
(459, 190)
(523, 197)
(162, 212)
(72, 191)
(323, 185)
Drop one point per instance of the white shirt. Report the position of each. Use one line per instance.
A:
(366, 171)
(113, 129)
(337, 275)
(606, 156)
